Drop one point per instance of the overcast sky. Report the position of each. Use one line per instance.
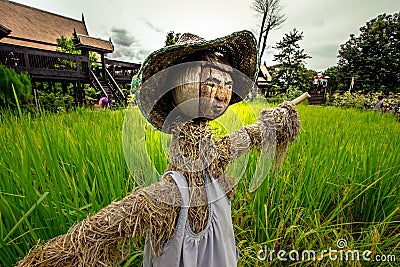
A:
(139, 27)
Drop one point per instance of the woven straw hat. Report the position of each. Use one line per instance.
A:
(238, 48)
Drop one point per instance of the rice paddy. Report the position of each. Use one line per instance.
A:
(339, 181)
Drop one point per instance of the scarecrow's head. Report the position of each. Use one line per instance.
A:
(196, 79)
(203, 90)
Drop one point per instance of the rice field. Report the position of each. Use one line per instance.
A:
(338, 182)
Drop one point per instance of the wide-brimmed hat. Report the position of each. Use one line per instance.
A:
(239, 49)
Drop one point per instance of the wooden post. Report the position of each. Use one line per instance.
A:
(80, 100)
(103, 65)
(83, 96)
(78, 69)
(35, 95)
(75, 94)
(64, 87)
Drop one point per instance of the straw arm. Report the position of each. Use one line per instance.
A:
(275, 127)
(99, 238)
(234, 145)
(282, 119)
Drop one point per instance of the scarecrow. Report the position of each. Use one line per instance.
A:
(186, 216)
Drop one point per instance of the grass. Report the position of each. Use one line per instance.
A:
(54, 171)
(339, 180)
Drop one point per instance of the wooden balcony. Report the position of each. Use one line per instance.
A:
(46, 65)
(122, 71)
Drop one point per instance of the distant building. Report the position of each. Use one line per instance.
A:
(31, 27)
(31, 34)
(264, 81)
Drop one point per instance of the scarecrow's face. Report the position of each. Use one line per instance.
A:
(215, 92)
(208, 98)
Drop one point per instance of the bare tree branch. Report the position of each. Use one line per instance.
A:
(272, 17)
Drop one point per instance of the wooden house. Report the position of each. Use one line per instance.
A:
(264, 81)
(29, 35)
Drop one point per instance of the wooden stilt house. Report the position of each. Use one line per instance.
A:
(29, 35)
(264, 81)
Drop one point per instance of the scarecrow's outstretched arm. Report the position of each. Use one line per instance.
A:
(99, 239)
(275, 128)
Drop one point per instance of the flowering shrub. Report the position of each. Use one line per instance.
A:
(365, 101)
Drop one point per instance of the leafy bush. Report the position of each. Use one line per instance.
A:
(91, 95)
(293, 92)
(55, 102)
(365, 101)
(22, 86)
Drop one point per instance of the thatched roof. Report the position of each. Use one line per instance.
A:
(264, 77)
(34, 27)
(94, 44)
(4, 31)
(265, 73)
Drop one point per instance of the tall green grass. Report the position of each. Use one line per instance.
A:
(54, 170)
(339, 180)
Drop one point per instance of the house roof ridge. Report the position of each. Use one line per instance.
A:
(41, 10)
(98, 38)
(33, 27)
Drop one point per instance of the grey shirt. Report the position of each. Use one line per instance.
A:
(212, 247)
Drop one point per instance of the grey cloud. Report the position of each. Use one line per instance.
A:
(151, 26)
(323, 56)
(326, 50)
(130, 54)
(126, 46)
(122, 37)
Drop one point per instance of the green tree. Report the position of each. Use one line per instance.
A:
(334, 83)
(373, 58)
(171, 38)
(65, 45)
(305, 78)
(22, 86)
(291, 71)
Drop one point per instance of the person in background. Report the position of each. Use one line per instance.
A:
(379, 104)
(134, 87)
(103, 103)
(315, 83)
(11, 59)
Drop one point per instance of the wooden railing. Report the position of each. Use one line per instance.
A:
(43, 64)
(96, 83)
(122, 71)
(114, 87)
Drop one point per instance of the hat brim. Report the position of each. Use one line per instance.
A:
(238, 48)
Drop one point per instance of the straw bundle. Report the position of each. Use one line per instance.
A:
(102, 239)
(284, 121)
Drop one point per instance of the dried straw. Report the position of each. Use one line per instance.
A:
(101, 239)
(287, 125)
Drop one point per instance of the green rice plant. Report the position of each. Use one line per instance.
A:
(55, 170)
(339, 180)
